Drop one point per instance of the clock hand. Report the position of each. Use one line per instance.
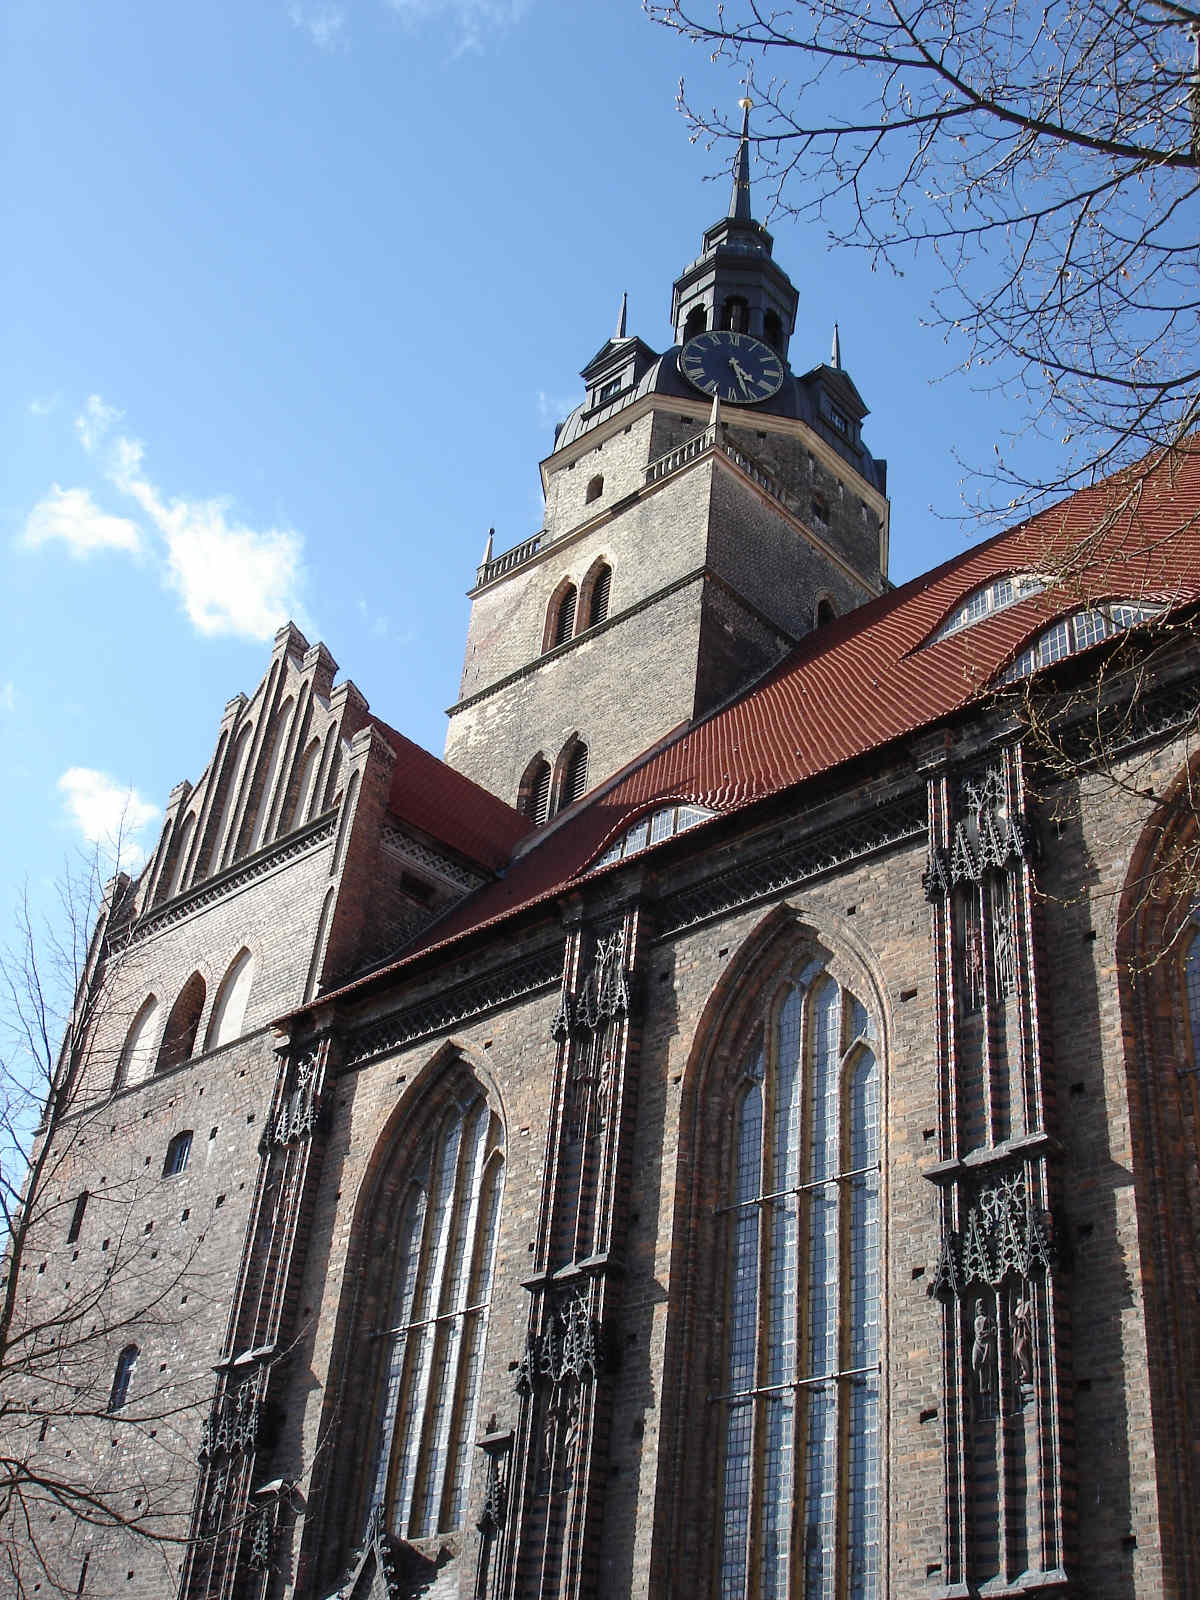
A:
(740, 374)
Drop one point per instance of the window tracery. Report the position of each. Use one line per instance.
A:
(437, 1322)
(802, 1359)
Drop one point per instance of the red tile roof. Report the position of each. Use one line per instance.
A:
(872, 677)
(443, 803)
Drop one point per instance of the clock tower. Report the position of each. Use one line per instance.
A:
(706, 508)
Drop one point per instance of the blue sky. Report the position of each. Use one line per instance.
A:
(294, 294)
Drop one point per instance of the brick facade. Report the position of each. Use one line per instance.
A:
(535, 1400)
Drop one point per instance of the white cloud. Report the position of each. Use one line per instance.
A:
(232, 579)
(70, 516)
(8, 695)
(473, 21)
(94, 421)
(325, 24)
(42, 406)
(106, 814)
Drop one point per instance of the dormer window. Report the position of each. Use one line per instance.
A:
(995, 596)
(1077, 632)
(607, 390)
(651, 828)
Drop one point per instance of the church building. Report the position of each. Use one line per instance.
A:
(728, 1130)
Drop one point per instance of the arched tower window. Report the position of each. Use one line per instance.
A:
(595, 488)
(179, 1036)
(597, 587)
(122, 1375)
(773, 330)
(825, 612)
(436, 1320)
(573, 783)
(562, 617)
(798, 1510)
(735, 314)
(137, 1054)
(697, 321)
(229, 1008)
(534, 796)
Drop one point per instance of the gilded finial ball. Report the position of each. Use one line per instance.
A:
(746, 104)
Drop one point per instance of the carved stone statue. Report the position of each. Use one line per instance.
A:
(983, 1352)
(1022, 1341)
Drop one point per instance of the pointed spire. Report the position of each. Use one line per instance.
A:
(835, 355)
(714, 416)
(487, 549)
(739, 200)
(620, 333)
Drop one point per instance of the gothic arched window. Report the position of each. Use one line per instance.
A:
(137, 1053)
(574, 762)
(445, 1242)
(596, 590)
(562, 616)
(534, 796)
(799, 1507)
(229, 1008)
(179, 1037)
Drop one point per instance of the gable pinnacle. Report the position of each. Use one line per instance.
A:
(739, 200)
(835, 355)
(620, 333)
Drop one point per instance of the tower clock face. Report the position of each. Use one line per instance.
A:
(732, 365)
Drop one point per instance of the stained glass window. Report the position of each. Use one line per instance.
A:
(438, 1322)
(800, 1512)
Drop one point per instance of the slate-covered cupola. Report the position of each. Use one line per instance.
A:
(734, 283)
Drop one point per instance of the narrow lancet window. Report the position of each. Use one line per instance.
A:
(438, 1323)
(801, 1471)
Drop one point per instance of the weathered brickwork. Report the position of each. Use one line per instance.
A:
(449, 1296)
